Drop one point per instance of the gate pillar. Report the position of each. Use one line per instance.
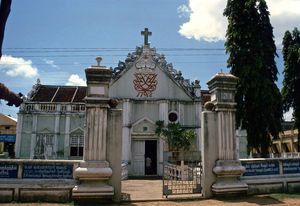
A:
(221, 167)
(99, 174)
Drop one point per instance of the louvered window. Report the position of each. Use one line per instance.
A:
(76, 145)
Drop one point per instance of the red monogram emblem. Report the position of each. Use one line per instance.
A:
(145, 84)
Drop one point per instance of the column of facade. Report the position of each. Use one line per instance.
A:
(56, 132)
(19, 134)
(163, 111)
(33, 135)
(163, 116)
(67, 137)
(126, 139)
(198, 106)
(181, 113)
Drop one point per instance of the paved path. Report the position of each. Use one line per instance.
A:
(142, 190)
(137, 190)
(149, 192)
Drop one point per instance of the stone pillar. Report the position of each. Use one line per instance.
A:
(126, 148)
(19, 135)
(95, 171)
(221, 117)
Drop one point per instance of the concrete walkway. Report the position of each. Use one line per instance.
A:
(143, 190)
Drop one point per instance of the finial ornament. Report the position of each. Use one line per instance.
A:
(146, 33)
(98, 59)
(221, 70)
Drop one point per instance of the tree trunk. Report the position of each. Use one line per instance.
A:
(265, 150)
(4, 12)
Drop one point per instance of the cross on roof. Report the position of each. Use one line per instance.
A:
(146, 33)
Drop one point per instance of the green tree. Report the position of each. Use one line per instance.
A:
(178, 138)
(291, 82)
(251, 49)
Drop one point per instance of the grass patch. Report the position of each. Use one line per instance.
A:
(281, 196)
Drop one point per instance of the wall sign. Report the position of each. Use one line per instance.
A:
(7, 138)
(290, 167)
(47, 171)
(8, 171)
(262, 168)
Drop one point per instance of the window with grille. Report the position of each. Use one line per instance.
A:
(76, 145)
(44, 146)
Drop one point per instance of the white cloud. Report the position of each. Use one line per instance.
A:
(14, 66)
(183, 11)
(50, 62)
(288, 115)
(75, 80)
(206, 20)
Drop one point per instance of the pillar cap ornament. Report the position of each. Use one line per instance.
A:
(222, 88)
(98, 74)
(98, 60)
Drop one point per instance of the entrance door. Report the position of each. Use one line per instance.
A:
(138, 157)
(150, 157)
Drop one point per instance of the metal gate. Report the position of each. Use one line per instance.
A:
(182, 173)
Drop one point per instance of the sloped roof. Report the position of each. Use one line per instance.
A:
(76, 94)
(53, 93)
(7, 120)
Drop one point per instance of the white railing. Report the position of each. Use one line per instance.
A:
(78, 108)
(47, 107)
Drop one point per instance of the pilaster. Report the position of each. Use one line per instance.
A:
(19, 134)
(126, 138)
(56, 132)
(163, 111)
(33, 135)
(181, 113)
(67, 137)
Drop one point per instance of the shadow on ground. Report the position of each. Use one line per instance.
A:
(259, 200)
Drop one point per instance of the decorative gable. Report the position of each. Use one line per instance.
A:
(45, 131)
(144, 126)
(145, 75)
(77, 131)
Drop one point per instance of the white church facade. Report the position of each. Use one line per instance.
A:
(147, 89)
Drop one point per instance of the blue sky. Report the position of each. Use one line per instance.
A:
(55, 40)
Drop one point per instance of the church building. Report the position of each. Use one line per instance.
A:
(147, 89)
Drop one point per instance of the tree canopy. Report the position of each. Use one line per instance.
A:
(251, 48)
(291, 82)
(4, 12)
(178, 138)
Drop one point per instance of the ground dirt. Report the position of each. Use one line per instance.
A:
(149, 193)
(241, 201)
